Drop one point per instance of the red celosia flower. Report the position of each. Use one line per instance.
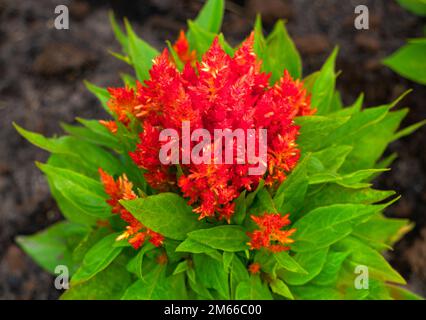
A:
(122, 103)
(136, 232)
(269, 235)
(254, 268)
(220, 92)
(181, 46)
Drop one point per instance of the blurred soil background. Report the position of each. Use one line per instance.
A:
(41, 84)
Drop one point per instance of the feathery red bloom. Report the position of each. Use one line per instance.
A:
(269, 235)
(220, 92)
(254, 268)
(181, 46)
(122, 103)
(122, 189)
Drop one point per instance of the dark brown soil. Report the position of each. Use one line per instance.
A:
(42, 70)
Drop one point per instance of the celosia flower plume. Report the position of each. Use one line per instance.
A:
(219, 92)
(269, 234)
(136, 232)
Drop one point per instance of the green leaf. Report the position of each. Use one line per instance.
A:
(315, 129)
(176, 59)
(101, 93)
(119, 34)
(263, 203)
(381, 230)
(329, 159)
(97, 259)
(192, 246)
(323, 88)
(369, 132)
(100, 134)
(129, 80)
(252, 195)
(82, 192)
(141, 53)
(229, 238)
(288, 263)
(253, 289)
(88, 155)
(279, 287)
(154, 286)
(238, 274)
(355, 179)
(326, 225)
(259, 40)
(330, 193)
(227, 260)
(54, 245)
(67, 208)
(336, 102)
(281, 54)
(211, 15)
(199, 289)
(291, 193)
(202, 39)
(399, 293)
(310, 292)
(90, 239)
(417, 7)
(135, 265)
(311, 261)
(211, 274)
(108, 284)
(240, 208)
(330, 271)
(181, 267)
(408, 130)
(165, 213)
(267, 262)
(362, 254)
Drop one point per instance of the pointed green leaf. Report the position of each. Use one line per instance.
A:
(279, 287)
(211, 15)
(326, 225)
(84, 193)
(362, 254)
(330, 271)
(97, 259)
(281, 54)
(311, 261)
(101, 93)
(108, 284)
(409, 61)
(323, 88)
(54, 245)
(253, 289)
(141, 53)
(291, 193)
(229, 238)
(166, 213)
(288, 263)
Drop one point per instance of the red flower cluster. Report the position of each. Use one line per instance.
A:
(183, 51)
(135, 231)
(220, 92)
(254, 268)
(270, 235)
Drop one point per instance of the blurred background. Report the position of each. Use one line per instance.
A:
(41, 84)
